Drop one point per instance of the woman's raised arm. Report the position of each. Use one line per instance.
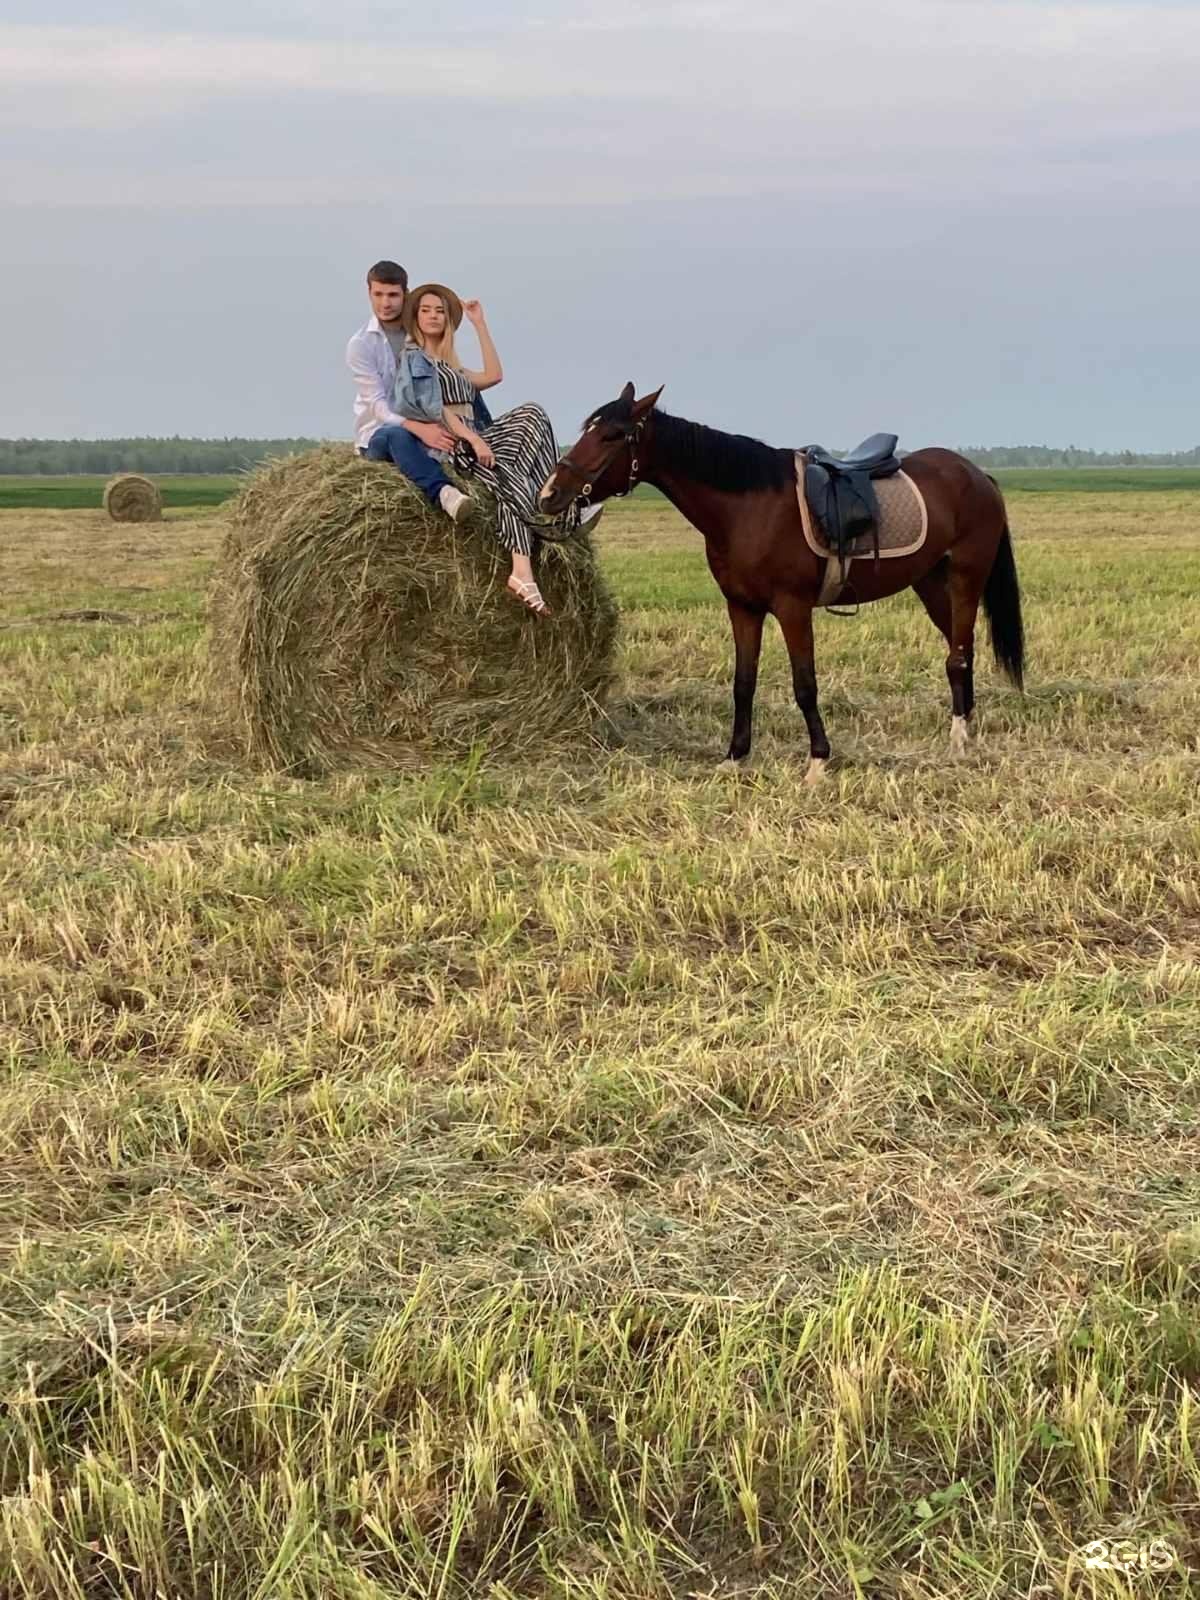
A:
(492, 372)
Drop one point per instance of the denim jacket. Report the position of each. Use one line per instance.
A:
(418, 394)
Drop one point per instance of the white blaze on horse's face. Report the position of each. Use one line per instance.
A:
(550, 488)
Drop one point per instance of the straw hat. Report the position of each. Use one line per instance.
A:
(413, 299)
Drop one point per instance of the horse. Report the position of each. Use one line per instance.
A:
(741, 494)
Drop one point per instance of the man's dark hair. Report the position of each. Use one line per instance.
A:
(388, 272)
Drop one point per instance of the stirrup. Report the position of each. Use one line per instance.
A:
(530, 596)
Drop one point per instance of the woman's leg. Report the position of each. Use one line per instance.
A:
(520, 441)
(521, 581)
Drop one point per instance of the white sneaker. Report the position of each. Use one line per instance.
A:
(457, 505)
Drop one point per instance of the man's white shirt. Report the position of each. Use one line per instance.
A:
(370, 358)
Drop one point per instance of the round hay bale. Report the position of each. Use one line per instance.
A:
(352, 624)
(131, 498)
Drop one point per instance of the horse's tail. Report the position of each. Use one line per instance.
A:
(1002, 605)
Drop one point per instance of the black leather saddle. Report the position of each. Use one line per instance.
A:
(839, 493)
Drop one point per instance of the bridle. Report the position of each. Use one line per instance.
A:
(631, 438)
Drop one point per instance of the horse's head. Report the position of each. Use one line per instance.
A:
(603, 461)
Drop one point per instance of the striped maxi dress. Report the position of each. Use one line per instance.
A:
(522, 441)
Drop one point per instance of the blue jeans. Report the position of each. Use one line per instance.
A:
(405, 451)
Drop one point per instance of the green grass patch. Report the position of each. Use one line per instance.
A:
(676, 580)
(86, 492)
(1098, 480)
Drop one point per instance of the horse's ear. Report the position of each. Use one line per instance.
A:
(626, 396)
(647, 403)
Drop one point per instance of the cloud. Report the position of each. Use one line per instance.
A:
(1014, 179)
(679, 97)
(971, 56)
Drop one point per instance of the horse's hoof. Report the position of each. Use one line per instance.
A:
(729, 765)
(958, 736)
(816, 771)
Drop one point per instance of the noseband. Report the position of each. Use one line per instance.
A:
(631, 438)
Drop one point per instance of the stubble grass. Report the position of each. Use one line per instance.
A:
(605, 1179)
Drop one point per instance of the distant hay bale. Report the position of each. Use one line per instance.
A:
(352, 624)
(131, 498)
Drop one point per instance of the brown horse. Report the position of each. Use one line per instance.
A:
(741, 495)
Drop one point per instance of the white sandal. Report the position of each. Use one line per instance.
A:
(529, 595)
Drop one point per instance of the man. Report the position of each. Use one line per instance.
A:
(381, 434)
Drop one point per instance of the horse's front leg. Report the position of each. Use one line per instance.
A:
(747, 642)
(795, 621)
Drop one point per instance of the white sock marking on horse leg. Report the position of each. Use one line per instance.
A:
(816, 770)
(958, 736)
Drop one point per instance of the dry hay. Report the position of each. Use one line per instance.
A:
(131, 498)
(351, 623)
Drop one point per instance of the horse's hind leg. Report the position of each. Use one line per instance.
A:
(951, 597)
(795, 621)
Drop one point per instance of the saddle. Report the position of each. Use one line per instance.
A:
(840, 494)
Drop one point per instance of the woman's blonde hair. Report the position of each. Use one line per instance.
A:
(445, 351)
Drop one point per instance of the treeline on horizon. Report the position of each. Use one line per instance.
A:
(69, 457)
(1045, 455)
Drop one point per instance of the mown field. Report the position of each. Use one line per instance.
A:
(607, 1178)
(84, 492)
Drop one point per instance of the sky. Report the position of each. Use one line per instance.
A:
(968, 222)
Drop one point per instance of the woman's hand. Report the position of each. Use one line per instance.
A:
(474, 311)
(483, 451)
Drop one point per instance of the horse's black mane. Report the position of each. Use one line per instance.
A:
(730, 461)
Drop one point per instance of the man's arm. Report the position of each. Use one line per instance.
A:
(370, 383)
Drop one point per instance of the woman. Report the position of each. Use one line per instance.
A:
(513, 456)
